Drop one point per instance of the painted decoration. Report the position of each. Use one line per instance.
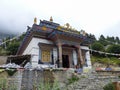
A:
(45, 56)
(44, 28)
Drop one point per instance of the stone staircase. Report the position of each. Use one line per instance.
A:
(92, 81)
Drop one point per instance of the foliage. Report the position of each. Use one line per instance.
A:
(73, 79)
(119, 77)
(117, 40)
(91, 37)
(97, 46)
(102, 40)
(3, 51)
(114, 49)
(48, 86)
(109, 86)
(4, 85)
(12, 48)
(11, 72)
(111, 39)
(105, 60)
(106, 44)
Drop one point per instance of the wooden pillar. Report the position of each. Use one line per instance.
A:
(60, 54)
(80, 58)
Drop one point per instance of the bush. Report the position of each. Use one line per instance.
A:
(48, 86)
(105, 60)
(97, 46)
(109, 86)
(11, 72)
(12, 48)
(4, 85)
(114, 49)
(73, 79)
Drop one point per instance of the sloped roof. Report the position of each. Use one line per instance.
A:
(48, 29)
(19, 59)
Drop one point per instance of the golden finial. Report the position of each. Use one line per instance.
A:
(35, 20)
(68, 25)
(51, 19)
(83, 32)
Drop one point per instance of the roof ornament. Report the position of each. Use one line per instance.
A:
(28, 28)
(67, 25)
(35, 20)
(83, 32)
(51, 19)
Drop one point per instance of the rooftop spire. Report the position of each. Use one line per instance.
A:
(51, 19)
(68, 25)
(35, 20)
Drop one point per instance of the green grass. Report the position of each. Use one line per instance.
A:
(4, 85)
(3, 51)
(106, 60)
(48, 86)
(73, 79)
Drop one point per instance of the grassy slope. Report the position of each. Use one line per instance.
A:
(105, 60)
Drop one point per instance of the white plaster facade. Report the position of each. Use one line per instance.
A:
(87, 56)
(33, 50)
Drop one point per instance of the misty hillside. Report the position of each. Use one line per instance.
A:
(6, 35)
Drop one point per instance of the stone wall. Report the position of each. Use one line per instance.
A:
(93, 81)
(87, 81)
(10, 82)
(32, 79)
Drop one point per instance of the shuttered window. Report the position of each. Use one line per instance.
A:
(45, 55)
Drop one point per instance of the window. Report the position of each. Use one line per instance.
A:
(45, 55)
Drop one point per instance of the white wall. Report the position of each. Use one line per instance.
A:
(33, 49)
(88, 59)
(84, 47)
(75, 57)
(87, 55)
(55, 54)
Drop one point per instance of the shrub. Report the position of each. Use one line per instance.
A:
(114, 49)
(4, 85)
(109, 86)
(48, 86)
(73, 79)
(11, 72)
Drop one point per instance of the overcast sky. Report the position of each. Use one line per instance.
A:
(94, 16)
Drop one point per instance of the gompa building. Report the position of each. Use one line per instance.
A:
(50, 44)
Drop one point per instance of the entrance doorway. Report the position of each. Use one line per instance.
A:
(65, 61)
